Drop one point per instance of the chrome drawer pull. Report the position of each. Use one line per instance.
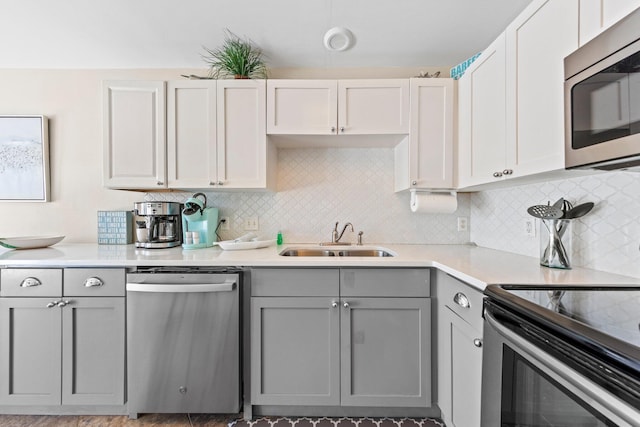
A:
(30, 282)
(477, 342)
(462, 300)
(93, 282)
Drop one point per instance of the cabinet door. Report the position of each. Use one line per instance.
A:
(386, 352)
(537, 42)
(134, 134)
(303, 107)
(373, 106)
(596, 16)
(431, 136)
(30, 352)
(93, 351)
(294, 351)
(482, 115)
(242, 140)
(465, 373)
(191, 134)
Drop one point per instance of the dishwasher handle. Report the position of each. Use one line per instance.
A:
(226, 286)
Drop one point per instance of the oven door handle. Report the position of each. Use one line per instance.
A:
(604, 402)
(226, 286)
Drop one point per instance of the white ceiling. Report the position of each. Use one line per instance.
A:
(171, 33)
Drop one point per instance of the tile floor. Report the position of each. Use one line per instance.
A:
(145, 420)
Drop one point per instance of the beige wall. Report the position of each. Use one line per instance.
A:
(72, 100)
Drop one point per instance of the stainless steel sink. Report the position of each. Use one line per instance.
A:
(337, 252)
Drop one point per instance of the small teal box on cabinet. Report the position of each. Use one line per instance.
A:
(457, 71)
(115, 227)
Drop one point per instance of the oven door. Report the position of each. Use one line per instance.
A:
(523, 385)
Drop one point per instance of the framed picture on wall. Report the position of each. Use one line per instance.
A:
(24, 159)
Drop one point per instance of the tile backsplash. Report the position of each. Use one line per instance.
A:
(607, 239)
(319, 186)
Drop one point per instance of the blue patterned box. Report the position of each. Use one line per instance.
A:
(115, 227)
(457, 71)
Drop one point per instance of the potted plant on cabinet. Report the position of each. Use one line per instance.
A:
(236, 58)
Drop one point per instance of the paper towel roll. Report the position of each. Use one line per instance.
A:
(433, 202)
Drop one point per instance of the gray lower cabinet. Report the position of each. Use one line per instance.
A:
(459, 341)
(30, 352)
(385, 345)
(61, 347)
(295, 351)
(329, 337)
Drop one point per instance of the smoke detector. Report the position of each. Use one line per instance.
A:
(338, 39)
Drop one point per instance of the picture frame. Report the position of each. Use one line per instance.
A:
(24, 158)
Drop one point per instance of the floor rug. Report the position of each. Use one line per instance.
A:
(337, 422)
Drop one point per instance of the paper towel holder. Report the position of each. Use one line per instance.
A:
(414, 192)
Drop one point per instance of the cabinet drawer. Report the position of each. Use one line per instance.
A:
(97, 282)
(318, 282)
(461, 298)
(385, 282)
(30, 282)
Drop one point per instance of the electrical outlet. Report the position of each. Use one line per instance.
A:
(225, 223)
(463, 223)
(530, 227)
(251, 223)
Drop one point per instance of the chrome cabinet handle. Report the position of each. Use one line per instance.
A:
(93, 282)
(497, 174)
(212, 183)
(477, 342)
(160, 183)
(345, 304)
(52, 304)
(30, 282)
(342, 129)
(333, 129)
(507, 171)
(220, 183)
(462, 300)
(334, 304)
(414, 182)
(63, 303)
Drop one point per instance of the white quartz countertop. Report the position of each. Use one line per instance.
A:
(474, 265)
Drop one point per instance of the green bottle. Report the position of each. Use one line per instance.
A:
(279, 239)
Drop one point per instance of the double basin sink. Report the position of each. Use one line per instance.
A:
(337, 252)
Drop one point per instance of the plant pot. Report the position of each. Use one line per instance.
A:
(240, 77)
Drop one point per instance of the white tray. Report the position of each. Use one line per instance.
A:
(230, 245)
(29, 242)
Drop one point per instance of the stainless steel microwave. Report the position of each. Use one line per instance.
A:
(602, 100)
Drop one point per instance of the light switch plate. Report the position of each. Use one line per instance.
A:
(463, 223)
(251, 223)
(530, 227)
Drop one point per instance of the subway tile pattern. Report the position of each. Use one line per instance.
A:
(607, 239)
(317, 187)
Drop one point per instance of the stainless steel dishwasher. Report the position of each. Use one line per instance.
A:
(183, 339)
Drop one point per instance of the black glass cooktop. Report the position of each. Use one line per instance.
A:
(607, 317)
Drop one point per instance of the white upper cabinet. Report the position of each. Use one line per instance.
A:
(242, 152)
(598, 15)
(511, 119)
(331, 107)
(481, 117)
(302, 107)
(537, 43)
(134, 134)
(373, 106)
(216, 135)
(424, 160)
(191, 134)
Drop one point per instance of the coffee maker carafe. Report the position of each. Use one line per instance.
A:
(158, 224)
